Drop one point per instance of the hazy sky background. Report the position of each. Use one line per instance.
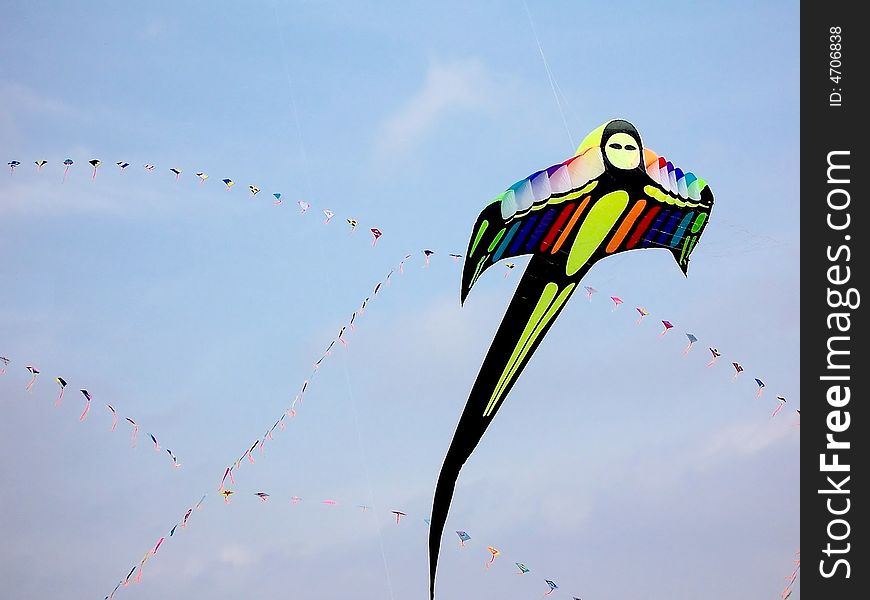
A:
(617, 468)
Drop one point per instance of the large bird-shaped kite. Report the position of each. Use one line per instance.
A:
(612, 196)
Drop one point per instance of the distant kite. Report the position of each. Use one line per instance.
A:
(303, 206)
(277, 198)
(262, 496)
(177, 172)
(668, 326)
(738, 369)
(552, 585)
(135, 431)
(226, 494)
(494, 552)
(95, 163)
(66, 166)
(616, 301)
(455, 257)
(716, 354)
(328, 214)
(427, 254)
(523, 568)
(34, 372)
(760, 385)
(12, 164)
(254, 190)
(122, 165)
(229, 183)
(149, 167)
(692, 340)
(202, 177)
(4, 362)
(376, 233)
(642, 312)
(353, 223)
(399, 514)
(62, 383)
(590, 291)
(87, 396)
(114, 416)
(779, 406)
(463, 537)
(509, 267)
(40, 163)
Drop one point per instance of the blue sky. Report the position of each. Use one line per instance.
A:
(617, 466)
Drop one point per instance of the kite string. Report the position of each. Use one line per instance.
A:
(306, 165)
(365, 460)
(550, 77)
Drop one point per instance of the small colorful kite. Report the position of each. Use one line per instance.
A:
(329, 214)
(254, 190)
(399, 514)
(122, 165)
(738, 369)
(377, 233)
(303, 206)
(62, 383)
(760, 385)
(202, 177)
(642, 312)
(782, 402)
(523, 568)
(455, 257)
(494, 553)
(716, 354)
(510, 267)
(177, 172)
(149, 167)
(34, 372)
(353, 223)
(552, 585)
(114, 416)
(668, 326)
(330, 502)
(40, 163)
(135, 431)
(66, 165)
(692, 340)
(463, 537)
(226, 494)
(616, 301)
(4, 362)
(95, 163)
(229, 183)
(87, 396)
(295, 500)
(277, 198)
(155, 442)
(589, 292)
(427, 254)
(12, 164)
(263, 496)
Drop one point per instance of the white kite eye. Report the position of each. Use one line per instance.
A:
(622, 151)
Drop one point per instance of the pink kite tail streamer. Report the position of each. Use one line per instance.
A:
(114, 418)
(59, 399)
(776, 411)
(712, 362)
(250, 458)
(65, 171)
(29, 385)
(85, 413)
(133, 436)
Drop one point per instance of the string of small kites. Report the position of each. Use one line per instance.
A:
(304, 206)
(62, 384)
(341, 339)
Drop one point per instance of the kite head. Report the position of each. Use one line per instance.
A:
(619, 143)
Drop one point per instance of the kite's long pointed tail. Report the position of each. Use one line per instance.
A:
(542, 293)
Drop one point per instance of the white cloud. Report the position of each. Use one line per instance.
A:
(448, 88)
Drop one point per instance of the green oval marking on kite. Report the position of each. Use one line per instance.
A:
(479, 235)
(699, 222)
(596, 226)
